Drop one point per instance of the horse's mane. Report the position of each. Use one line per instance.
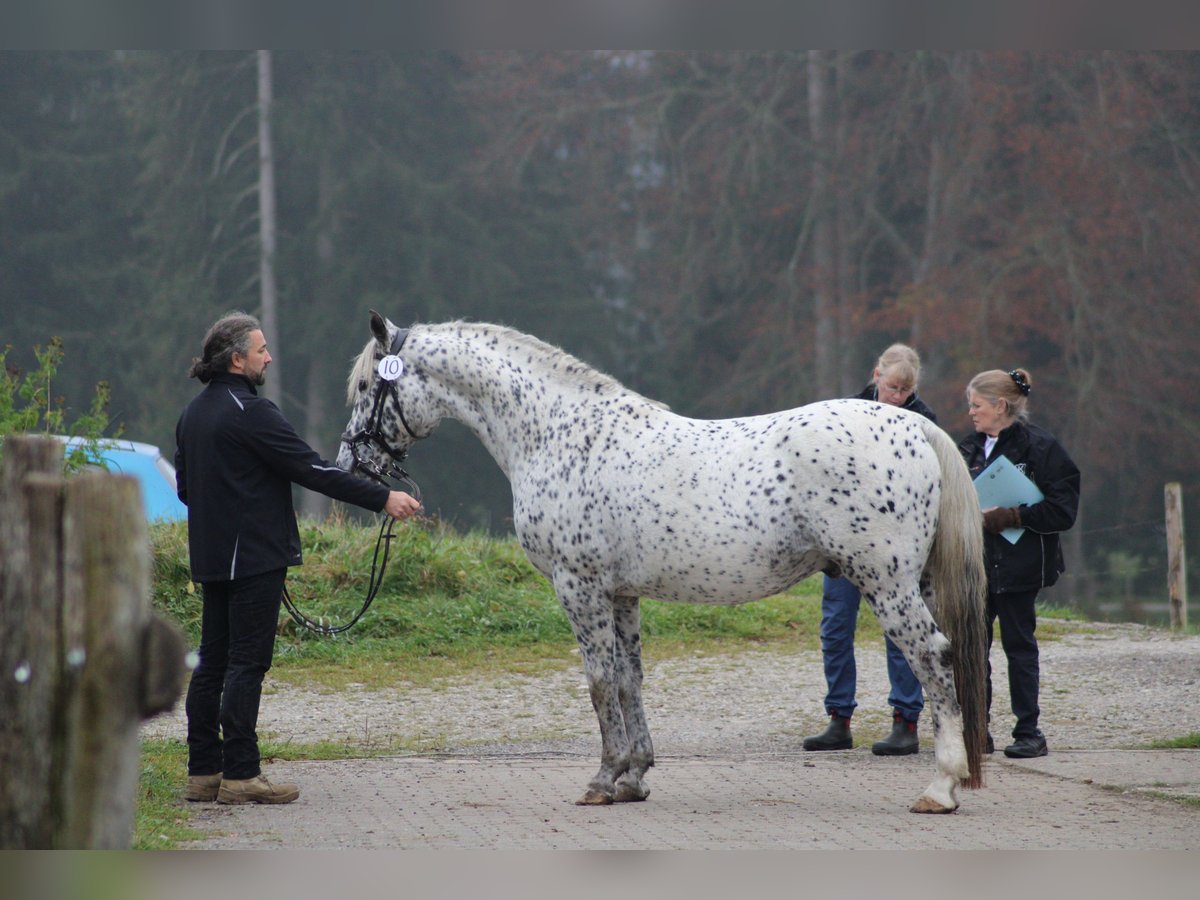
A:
(553, 361)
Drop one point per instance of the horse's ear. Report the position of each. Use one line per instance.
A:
(379, 327)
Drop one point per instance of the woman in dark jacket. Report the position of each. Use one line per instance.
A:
(998, 404)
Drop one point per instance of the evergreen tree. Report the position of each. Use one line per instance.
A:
(66, 223)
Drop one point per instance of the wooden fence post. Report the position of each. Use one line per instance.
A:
(28, 654)
(1176, 556)
(84, 659)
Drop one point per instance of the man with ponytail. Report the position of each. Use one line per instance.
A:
(236, 459)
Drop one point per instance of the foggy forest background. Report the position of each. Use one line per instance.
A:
(729, 232)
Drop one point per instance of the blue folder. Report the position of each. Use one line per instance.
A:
(1003, 484)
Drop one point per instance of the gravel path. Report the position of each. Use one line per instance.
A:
(1111, 687)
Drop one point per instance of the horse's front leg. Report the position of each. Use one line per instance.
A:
(591, 617)
(627, 619)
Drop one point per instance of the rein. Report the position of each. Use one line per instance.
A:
(322, 626)
(371, 434)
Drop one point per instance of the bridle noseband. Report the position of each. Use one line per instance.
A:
(372, 435)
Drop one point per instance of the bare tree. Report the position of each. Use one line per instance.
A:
(824, 227)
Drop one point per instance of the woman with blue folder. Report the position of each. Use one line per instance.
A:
(1021, 531)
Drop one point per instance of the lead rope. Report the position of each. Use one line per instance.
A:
(378, 567)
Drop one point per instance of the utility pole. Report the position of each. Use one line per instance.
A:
(266, 227)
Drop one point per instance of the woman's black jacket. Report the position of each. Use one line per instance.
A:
(912, 404)
(236, 458)
(1035, 560)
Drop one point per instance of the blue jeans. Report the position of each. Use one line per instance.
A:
(237, 640)
(839, 618)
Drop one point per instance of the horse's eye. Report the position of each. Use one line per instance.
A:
(362, 385)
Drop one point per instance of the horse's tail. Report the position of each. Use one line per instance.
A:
(959, 580)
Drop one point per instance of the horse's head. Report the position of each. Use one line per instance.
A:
(386, 396)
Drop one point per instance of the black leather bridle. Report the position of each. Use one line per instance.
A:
(372, 435)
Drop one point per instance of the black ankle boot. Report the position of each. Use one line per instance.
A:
(835, 737)
(1027, 747)
(901, 742)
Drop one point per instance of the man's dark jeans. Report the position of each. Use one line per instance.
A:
(237, 640)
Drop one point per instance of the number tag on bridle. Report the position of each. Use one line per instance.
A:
(391, 368)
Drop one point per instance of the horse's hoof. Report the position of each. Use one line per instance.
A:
(631, 793)
(594, 797)
(927, 805)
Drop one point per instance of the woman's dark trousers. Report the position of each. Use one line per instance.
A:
(1018, 621)
(237, 641)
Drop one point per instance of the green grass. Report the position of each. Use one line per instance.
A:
(160, 817)
(1186, 742)
(451, 603)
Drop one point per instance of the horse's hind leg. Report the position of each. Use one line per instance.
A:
(949, 745)
(906, 619)
(627, 619)
(591, 618)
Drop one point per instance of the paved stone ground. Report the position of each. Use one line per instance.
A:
(1071, 800)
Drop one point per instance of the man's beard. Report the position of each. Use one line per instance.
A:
(259, 378)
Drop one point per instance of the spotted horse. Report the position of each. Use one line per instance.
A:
(615, 498)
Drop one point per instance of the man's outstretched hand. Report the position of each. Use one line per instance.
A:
(401, 505)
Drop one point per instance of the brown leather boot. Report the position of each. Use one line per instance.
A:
(256, 790)
(202, 788)
(901, 742)
(835, 737)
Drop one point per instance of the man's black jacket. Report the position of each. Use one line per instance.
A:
(236, 457)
